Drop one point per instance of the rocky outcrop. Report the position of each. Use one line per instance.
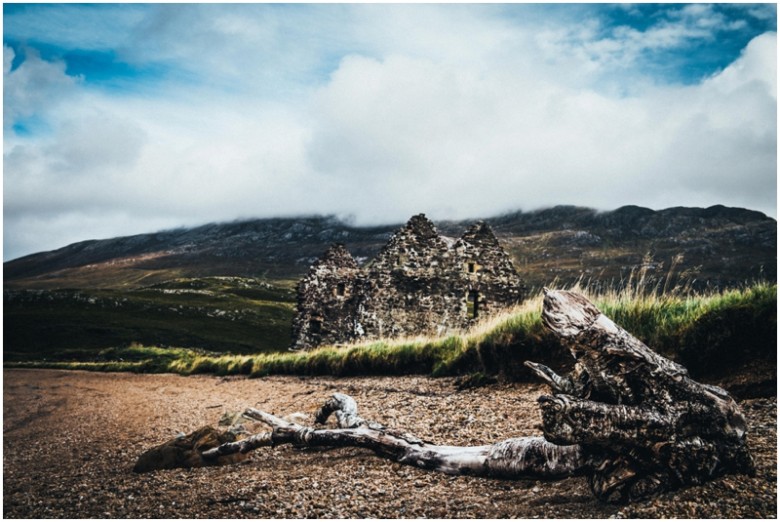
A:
(419, 283)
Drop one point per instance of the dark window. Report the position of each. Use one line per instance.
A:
(341, 289)
(472, 304)
(315, 326)
(472, 267)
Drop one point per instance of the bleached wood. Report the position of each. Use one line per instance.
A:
(512, 458)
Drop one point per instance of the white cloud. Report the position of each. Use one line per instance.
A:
(761, 11)
(725, 146)
(8, 58)
(34, 87)
(754, 67)
(422, 135)
(453, 112)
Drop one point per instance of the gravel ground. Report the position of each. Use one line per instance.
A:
(70, 440)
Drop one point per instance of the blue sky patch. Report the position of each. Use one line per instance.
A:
(30, 126)
(709, 40)
(99, 68)
(106, 69)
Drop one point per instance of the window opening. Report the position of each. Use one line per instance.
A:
(315, 326)
(471, 267)
(341, 289)
(472, 304)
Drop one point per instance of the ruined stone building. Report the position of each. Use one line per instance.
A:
(419, 283)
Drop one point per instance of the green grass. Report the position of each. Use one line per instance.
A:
(661, 320)
(236, 315)
(708, 333)
(134, 358)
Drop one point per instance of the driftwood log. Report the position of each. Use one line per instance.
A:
(628, 419)
(525, 456)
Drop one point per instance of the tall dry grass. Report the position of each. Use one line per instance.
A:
(666, 321)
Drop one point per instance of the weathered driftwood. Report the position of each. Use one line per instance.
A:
(643, 424)
(512, 458)
(632, 421)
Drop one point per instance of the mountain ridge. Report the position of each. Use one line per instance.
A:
(718, 246)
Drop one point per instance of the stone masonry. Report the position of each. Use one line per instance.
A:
(419, 283)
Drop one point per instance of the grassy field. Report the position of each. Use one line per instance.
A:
(221, 314)
(710, 334)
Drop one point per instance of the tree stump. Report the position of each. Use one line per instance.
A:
(643, 424)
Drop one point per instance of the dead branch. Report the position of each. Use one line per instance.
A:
(512, 458)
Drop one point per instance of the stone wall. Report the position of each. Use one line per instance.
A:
(328, 298)
(419, 283)
(487, 271)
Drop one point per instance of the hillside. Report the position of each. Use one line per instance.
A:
(717, 246)
(268, 248)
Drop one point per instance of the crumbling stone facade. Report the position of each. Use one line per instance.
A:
(419, 283)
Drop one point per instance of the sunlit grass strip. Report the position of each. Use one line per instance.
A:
(658, 320)
(107, 366)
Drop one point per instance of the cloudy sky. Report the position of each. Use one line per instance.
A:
(123, 119)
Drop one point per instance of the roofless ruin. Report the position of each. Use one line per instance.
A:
(419, 283)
